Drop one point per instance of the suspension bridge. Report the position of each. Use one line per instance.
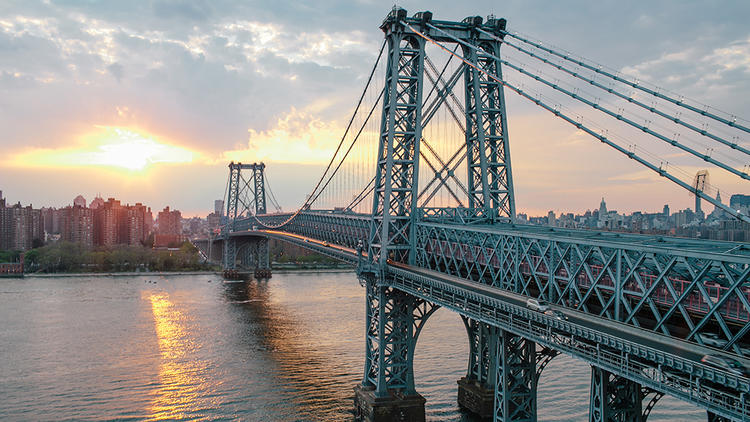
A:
(422, 202)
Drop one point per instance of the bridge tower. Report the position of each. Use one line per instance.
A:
(246, 197)
(394, 318)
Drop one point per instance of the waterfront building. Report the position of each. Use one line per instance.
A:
(23, 227)
(169, 228)
(105, 223)
(5, 226)
(169, 222)
(78, 225)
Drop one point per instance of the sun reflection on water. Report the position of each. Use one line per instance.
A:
(181, 383)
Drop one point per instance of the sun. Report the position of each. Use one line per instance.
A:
(112, 147)
(133, 151)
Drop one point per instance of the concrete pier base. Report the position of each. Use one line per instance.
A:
(262, 273)
(370, 408)
(475, 398)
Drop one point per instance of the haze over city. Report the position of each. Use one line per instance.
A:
(149, 101)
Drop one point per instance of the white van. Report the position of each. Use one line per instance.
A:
(537, 305)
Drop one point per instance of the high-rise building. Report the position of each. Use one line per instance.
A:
(138, 217)
(25, 228)
(169, 222)
(5, 226)
(106, 227)
(214, 220)
(78, 225)
(169, 228)
(219, 207)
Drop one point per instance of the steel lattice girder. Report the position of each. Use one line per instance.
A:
(676, 292)
(396, 180)
(613, 398)
(658, 370)
(515, 378)
(394, 320)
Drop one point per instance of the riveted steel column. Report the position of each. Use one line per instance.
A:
(396, 178)
(476, 389)
(260, 188)
(614, 398)
(230, 253)
(394, 320)
(488, 149)
(515, 379)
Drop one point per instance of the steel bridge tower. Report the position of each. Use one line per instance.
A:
(246, 197)
(498, 360)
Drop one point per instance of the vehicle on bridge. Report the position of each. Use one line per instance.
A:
(537, 305)
(727, 364)
(554, 313)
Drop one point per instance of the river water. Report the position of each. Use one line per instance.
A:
(194, 347)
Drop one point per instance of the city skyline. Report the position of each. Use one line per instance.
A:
(150, 99)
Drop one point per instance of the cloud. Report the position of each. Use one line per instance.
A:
(298, 137)
(116, 70)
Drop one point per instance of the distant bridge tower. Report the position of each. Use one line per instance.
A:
(246, 197)
(699, 185)
(246, 194)
(394, 318)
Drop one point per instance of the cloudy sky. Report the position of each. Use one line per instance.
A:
(148, 101)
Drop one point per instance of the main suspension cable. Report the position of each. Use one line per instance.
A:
(731, 123)
(628, 98)
(272, 197)
(584, 128)
(315, 191)
(618, 116)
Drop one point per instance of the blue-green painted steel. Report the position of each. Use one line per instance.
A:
(476, 263)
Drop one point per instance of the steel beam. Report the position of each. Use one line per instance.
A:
(614, 398)
(515, 379)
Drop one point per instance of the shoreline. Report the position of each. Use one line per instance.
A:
(166, 273)
(119, 274)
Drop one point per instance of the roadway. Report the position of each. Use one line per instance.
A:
(647, 338)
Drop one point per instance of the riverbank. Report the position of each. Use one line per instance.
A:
(281, 270)
(122, 274)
